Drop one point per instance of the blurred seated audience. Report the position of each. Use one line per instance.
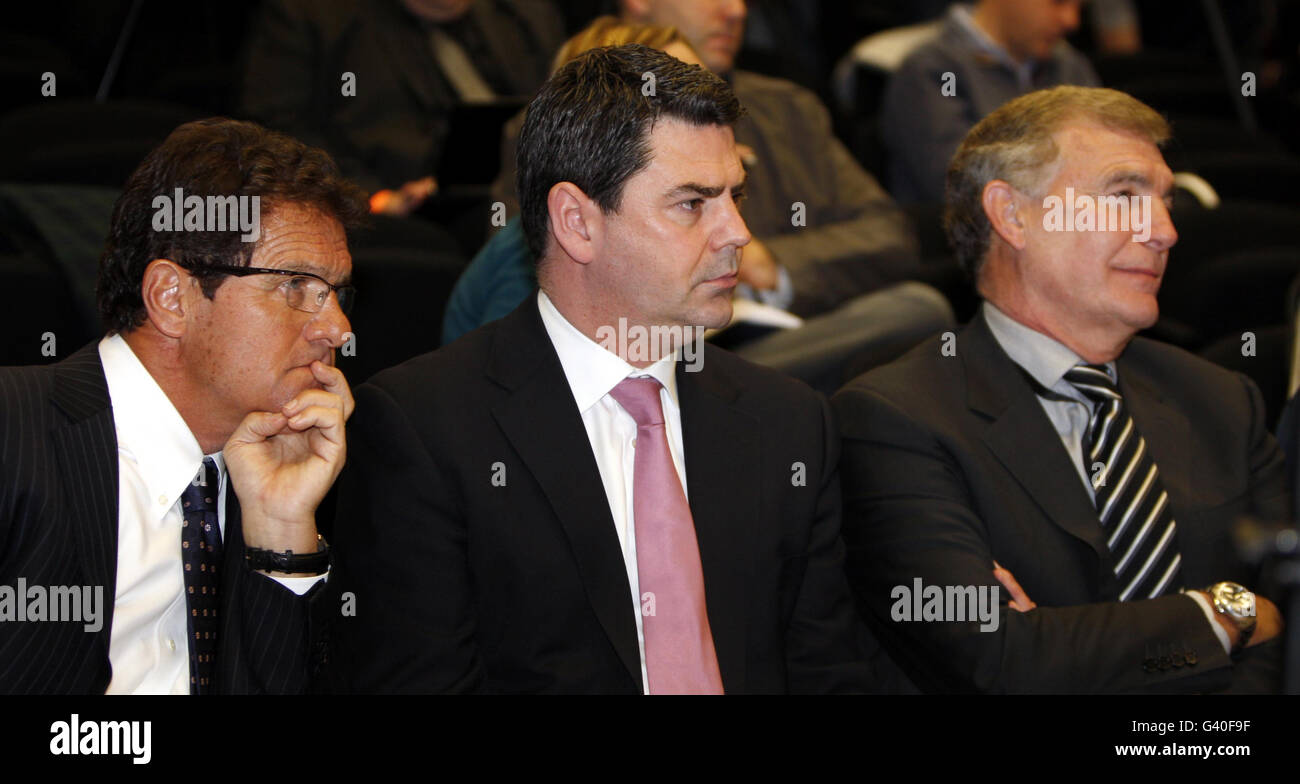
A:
(1116, 26)
(983, 56)
(411, 62)
(500, 277)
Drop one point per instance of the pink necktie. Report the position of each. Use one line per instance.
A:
(679, 654)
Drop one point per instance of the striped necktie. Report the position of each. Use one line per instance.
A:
(1131, 500)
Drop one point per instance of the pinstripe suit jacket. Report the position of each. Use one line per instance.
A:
(58, 526)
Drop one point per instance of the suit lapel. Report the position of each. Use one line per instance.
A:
(229, 671)
(1022, 437)
(722, 446)
(86, 446)
(232, 553)
(543, 424)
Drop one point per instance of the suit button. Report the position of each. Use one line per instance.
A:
(1191, 658)
(1149, 665)
(1179, 659)
(1165, 663)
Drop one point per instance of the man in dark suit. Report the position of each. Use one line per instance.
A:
(374, 82)
(515, 517)
(163, 482)
(1045, 450)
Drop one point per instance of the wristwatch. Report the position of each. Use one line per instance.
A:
(290, 562)
(1238, 604)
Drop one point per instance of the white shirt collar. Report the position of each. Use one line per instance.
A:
(592, 371)
(149, 428)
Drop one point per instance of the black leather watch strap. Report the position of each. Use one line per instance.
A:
(289, 562)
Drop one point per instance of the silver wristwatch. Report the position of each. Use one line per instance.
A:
(1238, 604)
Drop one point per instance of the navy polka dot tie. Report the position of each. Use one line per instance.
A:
(201, 555)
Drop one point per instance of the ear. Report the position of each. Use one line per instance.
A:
(576, 221)
(166, 290)
(1005, 212)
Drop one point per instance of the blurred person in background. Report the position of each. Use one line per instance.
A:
(411, 62)
(985, 54)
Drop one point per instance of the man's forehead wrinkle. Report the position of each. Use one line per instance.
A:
(726, 179)
(301, 250)
(1101, 162)
(303, 232)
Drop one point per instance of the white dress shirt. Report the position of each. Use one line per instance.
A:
(157, 458)
(592, 372)
(1048, 360)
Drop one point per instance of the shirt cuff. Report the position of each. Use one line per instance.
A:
(1210, 612)
(299, 585)
(781, 296)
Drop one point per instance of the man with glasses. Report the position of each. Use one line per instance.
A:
(158, 489)
(305, 291)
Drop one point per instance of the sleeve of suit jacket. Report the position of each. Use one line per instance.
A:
(910, 514)
(820, 651)
(273, 650)
(400, 552)
(921, 127)
(855, 239)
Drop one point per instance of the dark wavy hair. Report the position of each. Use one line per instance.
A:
(212, 157)
(590, 125)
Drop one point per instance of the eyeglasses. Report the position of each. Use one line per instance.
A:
(303, 291)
